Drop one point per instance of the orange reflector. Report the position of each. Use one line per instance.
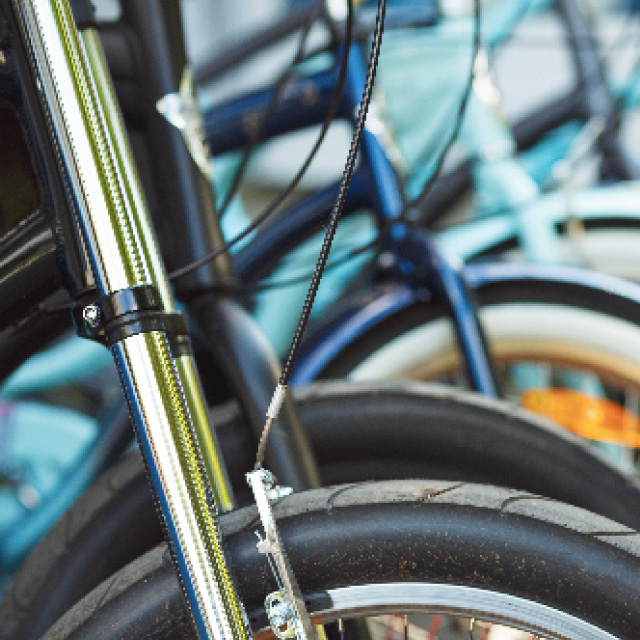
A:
(593, 418)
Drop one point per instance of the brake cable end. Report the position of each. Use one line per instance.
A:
(272, 413)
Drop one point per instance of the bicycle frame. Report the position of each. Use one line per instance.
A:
(383, 187)
(241, 360)
(148, 349)
(267, 248)
(535, 220)
(122, 293)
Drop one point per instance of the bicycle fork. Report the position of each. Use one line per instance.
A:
(132, 310)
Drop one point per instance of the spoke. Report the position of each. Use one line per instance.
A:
(472, 623)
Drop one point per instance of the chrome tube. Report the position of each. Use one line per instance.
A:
(114, 228)
(193, 394)
(157, 403)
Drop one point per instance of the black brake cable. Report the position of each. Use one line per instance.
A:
(285, 193)
(236, 287)
(280, 392)
(420, 201)
(258, 135)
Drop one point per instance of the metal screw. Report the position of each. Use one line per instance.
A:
(268, 479)
(91, 316)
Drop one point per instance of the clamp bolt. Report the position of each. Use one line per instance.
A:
(280, 614)
(91, 316)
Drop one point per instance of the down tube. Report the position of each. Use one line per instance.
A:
(114, 229)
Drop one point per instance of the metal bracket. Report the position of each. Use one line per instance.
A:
(285, 608)
(181, 110)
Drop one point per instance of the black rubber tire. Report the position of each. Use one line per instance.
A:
(359, 432)
(396, 531)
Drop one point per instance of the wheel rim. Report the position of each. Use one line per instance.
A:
(429, 351)
(482, 606)
(556, 343)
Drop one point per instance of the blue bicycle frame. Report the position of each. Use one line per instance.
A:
(376, 187)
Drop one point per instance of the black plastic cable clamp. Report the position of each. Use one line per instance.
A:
(119, 315)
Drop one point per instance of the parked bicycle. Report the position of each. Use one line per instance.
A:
(551, 336)
(107, 249)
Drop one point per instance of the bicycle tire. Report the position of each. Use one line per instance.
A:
(411, 429)
(403, 544)
(551, 322)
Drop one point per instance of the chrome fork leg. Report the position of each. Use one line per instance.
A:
(163, 391)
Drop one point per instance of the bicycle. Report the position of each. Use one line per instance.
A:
(565, 307)
(145, 595)
(139, 314)
(18, 554)
(510, 477)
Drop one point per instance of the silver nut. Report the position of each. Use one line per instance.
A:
(268, 479)
(91, 316)
(280, 614)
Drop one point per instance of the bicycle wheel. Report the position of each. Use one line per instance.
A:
(409, 547)
(567, 335)
(360, 432)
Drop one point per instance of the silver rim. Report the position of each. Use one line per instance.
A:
(454, 600)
